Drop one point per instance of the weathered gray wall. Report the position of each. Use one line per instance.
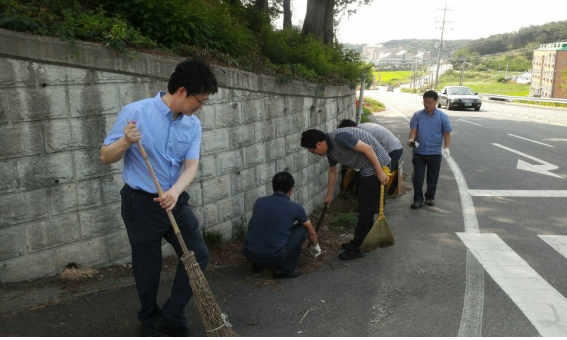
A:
(59, 204)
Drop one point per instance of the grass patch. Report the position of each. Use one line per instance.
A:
(344, 222)
(393, 77)
(369, 106)
(212, 239)
(484, 82)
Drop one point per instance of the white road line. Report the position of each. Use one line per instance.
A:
(533, 141)
(558, 242)
(542, 304)
(543, 168)
(518, 193)
(520, 153)
(473, 302)
(469, 213)
(466, 121)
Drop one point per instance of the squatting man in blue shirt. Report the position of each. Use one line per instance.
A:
(356, 149)
(277, 230)
(171, 135)
(428, 129)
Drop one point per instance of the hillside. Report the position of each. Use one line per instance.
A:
(526, 39)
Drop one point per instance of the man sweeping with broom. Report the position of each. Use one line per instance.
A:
(356, 149)
(172, 138)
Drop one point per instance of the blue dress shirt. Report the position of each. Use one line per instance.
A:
(430, 131)
(167, 143)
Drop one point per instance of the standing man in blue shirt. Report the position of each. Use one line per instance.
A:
(171, 136)
(429, 128)
(274, 239)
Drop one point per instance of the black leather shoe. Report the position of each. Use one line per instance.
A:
(162, 327)
(351, 254)
(148, 330)
(256, 269)
(417, 204)
(430, 202)
(345, 245)
(280, 274)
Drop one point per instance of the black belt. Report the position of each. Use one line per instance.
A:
(141, 192)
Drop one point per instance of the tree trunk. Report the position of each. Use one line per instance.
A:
(314, 22)
(329, 24)
(262, 5)
(287, 14)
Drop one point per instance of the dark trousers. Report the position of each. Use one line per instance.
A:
(395, 158)
(288, 260)
(368, 204)
(394, 164)
(422, 165)
(146, 224)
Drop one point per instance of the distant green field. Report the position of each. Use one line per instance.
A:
(392, 77)
(484, 82)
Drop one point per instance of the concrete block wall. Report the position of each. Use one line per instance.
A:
(59, 205)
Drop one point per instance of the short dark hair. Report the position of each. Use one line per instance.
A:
(347, 123)
(195, 76)
(431, 94)
(310, 138)
(282, 182)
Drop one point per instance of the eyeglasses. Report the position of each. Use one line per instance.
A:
(201, 102)
(430, 102)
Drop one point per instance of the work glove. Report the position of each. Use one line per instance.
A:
(446, 153)
(315, 250)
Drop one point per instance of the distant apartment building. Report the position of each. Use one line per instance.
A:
(380, 54)
(548, 62)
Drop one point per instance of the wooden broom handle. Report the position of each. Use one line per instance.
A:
(382, 189)
(160, 192)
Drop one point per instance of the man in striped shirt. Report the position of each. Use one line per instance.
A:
(356, 149)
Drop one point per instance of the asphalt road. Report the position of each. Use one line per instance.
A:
(510, 168)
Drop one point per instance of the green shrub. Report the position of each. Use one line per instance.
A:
(212, 238)
(232, 32)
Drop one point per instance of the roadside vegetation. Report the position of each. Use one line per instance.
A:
(393, 78)
(369, 106)
(493, 82)
(230, 33)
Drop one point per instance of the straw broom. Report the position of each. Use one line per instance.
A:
(380, 236)
(216, 323)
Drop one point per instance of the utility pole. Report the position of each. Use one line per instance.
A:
(462, 72)
(360, 99)
(440, 46)
(415, 63)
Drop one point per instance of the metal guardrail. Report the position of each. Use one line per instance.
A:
(520, 98)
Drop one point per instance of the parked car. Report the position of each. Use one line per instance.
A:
(390, 88)
(459, 97)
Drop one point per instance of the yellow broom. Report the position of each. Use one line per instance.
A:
(380, 236)
(215, 322)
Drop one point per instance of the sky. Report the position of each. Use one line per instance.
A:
(410, 19)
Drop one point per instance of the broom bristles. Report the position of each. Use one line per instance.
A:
(380, 236)
(215, 322)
